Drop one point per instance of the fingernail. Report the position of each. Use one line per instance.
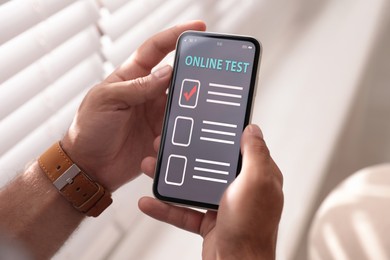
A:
(255, 130)
(163, 71)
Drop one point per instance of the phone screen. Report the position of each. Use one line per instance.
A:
(209, 105)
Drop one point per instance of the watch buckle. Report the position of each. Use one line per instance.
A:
(67, 177)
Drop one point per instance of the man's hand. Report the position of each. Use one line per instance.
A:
(246, 224)
(118, 120)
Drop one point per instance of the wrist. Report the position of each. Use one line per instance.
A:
(79, 157)
(102, 160)
(34, 213)
(83, 154)
(46, 192)
(246, 255)
(242, 250)
(86, 195)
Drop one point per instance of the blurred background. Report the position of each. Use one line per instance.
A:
(322, 101)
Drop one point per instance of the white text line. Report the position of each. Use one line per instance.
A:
(223, 94)
(211, 170)
(218, 132)
(209, 179)
(216, 140)
(225, 86)
(219, 124)
(212, 162)
(223, 102)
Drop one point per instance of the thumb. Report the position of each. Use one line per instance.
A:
(257, 164)
(139, 90)
(254, 150)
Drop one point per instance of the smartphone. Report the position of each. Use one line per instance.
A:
(209, 104)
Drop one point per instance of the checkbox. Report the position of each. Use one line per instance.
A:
(182, 131)
(176, 170)
(189, 93)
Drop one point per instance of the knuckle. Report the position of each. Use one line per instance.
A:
(97, 92)
(94, 90)
(140, 84)
(259, 148)
(271, 189)
(279, 176)
(104, 93)
(185, 220)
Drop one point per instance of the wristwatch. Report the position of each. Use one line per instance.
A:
(85, 194)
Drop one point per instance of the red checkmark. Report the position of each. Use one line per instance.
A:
(189, 95)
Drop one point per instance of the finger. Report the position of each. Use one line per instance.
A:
(148, 166)
(139, 90)
(260, 182)
(253, 148)
(256, 156)
(184, 218)
(156, 143)
(151, 52)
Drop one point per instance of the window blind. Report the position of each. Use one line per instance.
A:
(50, 55)
(29, 13)
(30, 81)
(150, 17)
(28, 46)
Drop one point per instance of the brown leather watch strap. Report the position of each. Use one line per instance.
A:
(83, 193)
